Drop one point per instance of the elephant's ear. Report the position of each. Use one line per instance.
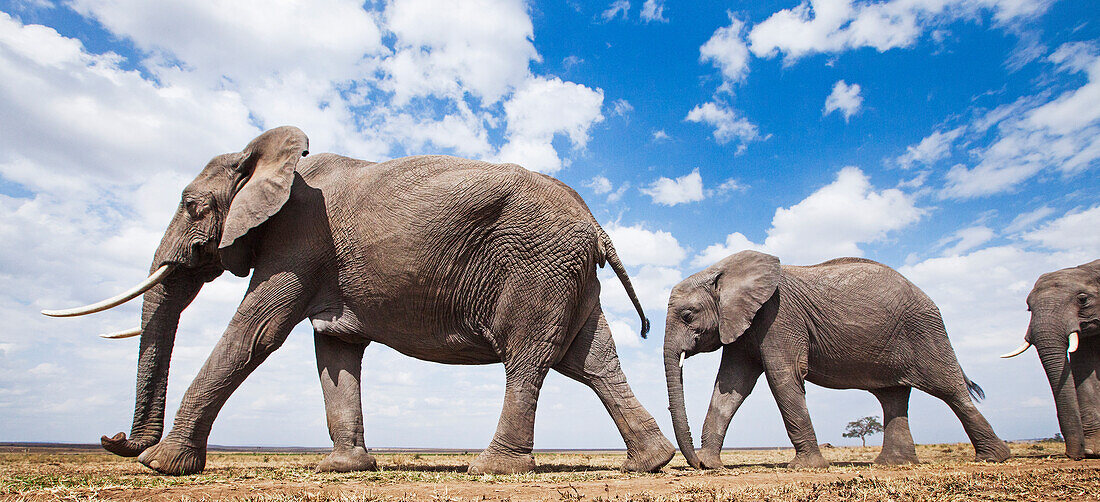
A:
(744, 282)
(268, 165)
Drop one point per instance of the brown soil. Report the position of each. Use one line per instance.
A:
(1037, 473)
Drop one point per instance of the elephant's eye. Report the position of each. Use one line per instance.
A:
(686, 316)
(1082, 298)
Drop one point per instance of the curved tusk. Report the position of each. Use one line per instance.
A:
(123, 297)
(682, 359)
(1020, 350)
(126, 333)
(1073, 342)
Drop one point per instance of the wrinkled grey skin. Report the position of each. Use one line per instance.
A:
(847, 323)
(1062, 302)
(443, 259)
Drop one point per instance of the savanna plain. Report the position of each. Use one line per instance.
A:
(1038, 471)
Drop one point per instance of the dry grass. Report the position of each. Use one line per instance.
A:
(1039, 472)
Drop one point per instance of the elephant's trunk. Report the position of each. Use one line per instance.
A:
(674, 376)
(1051, 342)
(160, 316)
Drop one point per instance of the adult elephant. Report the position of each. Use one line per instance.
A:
(443, 259)
(847, 323)
(1065, 319)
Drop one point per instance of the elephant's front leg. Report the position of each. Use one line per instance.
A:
(1086, 365)
(271, 307)
(897, 441)
(339, 365)
(737, 375)
(787, 381)
(510, 451)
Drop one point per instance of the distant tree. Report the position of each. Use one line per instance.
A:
(862, 428)
(1058, 437)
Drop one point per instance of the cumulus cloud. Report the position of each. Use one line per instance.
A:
(966, 239)
(1073, 231)
(831, 222)
(831, 26)
(599, 185)
(637, 245)
(616, 9)
(670, 192)
(543, 108)
(727, 50)
(728, 124)
(654, 11)
(844, 98)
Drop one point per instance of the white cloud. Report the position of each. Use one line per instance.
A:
(638, 246)
(618, 7)
(844, 98)
(831, 222)
(480, 46)
(652, 283)
(831, 26)
(966, 239)
(1035, 135)
(599, 185)
(670, 192)
(728, 124)
(727, 49)
(1024, 221)
(541, 109)
(932, 148)
(660, 135)
(1073, 231)
(654, 11)
(621, 107)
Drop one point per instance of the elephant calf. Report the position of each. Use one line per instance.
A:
(443, 259)
(1065, 322)
(847, 323)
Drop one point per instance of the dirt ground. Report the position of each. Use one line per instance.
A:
(1039, 471)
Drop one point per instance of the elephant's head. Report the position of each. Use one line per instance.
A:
(1065, 309)
(712, 308)
(212, 231)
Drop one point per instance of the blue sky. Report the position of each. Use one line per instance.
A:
(955, 140)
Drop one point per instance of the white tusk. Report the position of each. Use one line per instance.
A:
(1073, 341)
(1026, 345)
(126, 333)
(123, 297)
(681, 359)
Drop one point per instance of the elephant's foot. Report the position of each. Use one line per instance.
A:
(656, 454)
(174, 458)
(896, 458)
(1092, 446)
(711, 459)
(499, 463)
(812, 460)
(997, 452)
(123, 447)
(344, 459)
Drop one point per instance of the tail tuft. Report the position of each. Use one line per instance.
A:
(975, 390)
(645, 327)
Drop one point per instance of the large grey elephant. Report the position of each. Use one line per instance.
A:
(1065, 319)
(847, 323)
(443, 259)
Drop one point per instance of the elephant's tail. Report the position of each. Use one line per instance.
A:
(608, 254)
(975, 390)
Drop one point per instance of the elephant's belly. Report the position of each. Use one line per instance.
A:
(444, 348)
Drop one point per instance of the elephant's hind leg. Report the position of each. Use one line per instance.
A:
(897, 442)
(510, 451)
(339, 365)
(987, 446)
(591, 359)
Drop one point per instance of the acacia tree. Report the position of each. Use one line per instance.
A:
(862, 428)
